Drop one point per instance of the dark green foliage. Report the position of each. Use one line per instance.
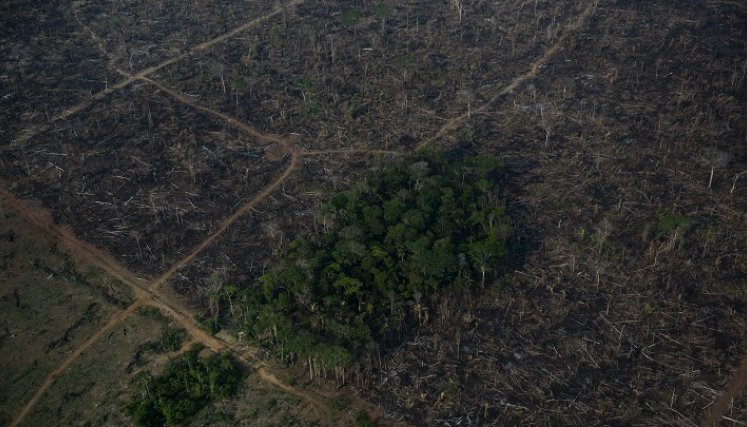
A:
(418, 228)
(672, 221)
(350, 17)
(187, 385)
(402, 62)
(211, 325)
(171, 338)
(381, 11)
(363, 421)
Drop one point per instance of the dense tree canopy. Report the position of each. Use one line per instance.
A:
(417, 228)
(188, 384)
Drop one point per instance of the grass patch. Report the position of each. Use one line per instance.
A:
(672, 222)
(351, 17)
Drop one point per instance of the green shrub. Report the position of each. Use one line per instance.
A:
(672, 221)
(381, 11)
(171, 338)
(212, 326)
(350, 17)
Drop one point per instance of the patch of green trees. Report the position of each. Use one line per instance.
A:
(416, 229)
(188, 384)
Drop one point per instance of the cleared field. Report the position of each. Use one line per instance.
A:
(621, 124)
(49, 304)
(96, 388)
(370, 75)
(47, 64)
(140, 175)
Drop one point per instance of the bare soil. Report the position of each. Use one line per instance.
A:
(724, 405)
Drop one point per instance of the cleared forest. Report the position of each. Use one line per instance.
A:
(180, 147)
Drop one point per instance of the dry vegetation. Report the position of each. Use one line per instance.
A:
(624, 135)
(362, 74)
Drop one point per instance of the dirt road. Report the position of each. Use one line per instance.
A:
(734, 389)
(517, 81)
(147, 295)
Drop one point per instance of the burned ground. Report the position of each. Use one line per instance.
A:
(353, 74)
(621, 123)
(47, 64)
(139, 176)
(627, 152)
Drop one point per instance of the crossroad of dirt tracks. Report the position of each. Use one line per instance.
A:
(151, 293)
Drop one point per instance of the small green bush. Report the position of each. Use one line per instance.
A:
(171, 338)
(671, 222)
(350, 17)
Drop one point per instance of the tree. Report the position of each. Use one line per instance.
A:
(187, 385)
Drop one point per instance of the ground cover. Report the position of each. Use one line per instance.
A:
(49, 305)
(96, 389)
